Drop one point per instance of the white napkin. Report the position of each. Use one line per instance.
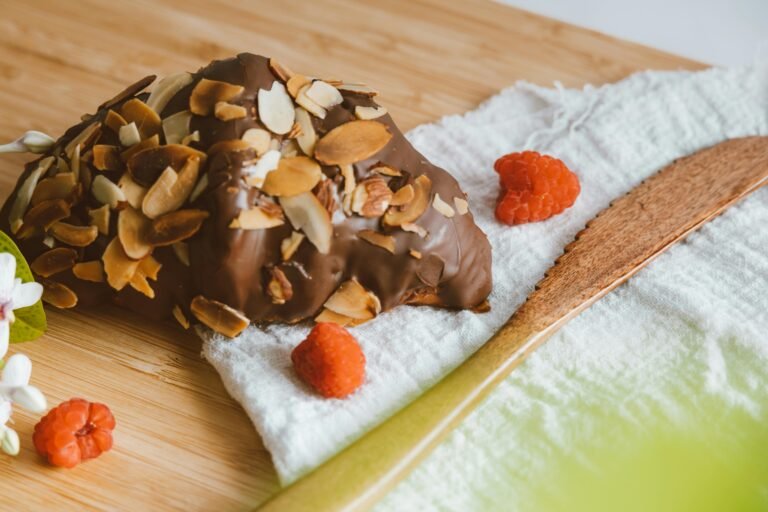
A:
(612, 137)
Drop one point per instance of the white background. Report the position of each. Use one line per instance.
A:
(724, 32)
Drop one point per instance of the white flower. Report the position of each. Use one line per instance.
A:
(13, 295)
(31, 142)
(14, 387)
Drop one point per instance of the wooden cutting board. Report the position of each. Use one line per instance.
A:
(181, 442)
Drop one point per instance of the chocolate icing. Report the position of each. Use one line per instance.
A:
(233, 266)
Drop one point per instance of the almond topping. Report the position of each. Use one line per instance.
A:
(58, 295)
(148, 268)
(89, 271)
(308, 137)
(279, 287)
(352, 142)
(386, 242)
(371, 197)
(276, 109)
(117, 265)
(207, 93)
(218, 316)
(134, 193)
(202, 184)
(132, 228)
(442, 207)
(357, 89)
(176, 127)
(54, 261)
(60, 186)
(100, 219)
(256, 174)
(77, 236)
(257, 139)
(166, 89)
(295, 131)
(369, 112)
(25, 192)
(399, 215)
(45, 214)
(257, 218)
(129, 135)
(296, 83)
(416, 254)
(280, 71)
(147, 121)
(106, 158)
(181, 250)
(307, 214)
(171, 189)
(354, 301)
(192, 137)
(462, 206)
(131, 90)
(145, 166)
(386, 170)
(324, 94)
(107, 192)
(414, 228)
(310, 106)
(294, 175)
(178, 314)
(290, 245)
(326, 315)
(403, 196)
(227, 111)
(114, 121)
(151, 142)
(175, 226)
(49, 241)
(84, 139)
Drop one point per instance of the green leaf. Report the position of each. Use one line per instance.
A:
(30, 322)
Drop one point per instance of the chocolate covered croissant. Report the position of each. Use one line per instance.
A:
(246, 193)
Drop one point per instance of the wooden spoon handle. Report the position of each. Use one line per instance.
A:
(617, 243)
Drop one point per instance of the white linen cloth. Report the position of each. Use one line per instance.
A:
(613, 137)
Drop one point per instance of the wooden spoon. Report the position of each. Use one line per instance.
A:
(621, 240)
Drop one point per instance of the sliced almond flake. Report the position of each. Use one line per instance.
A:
(357, 89)
(386, 170)
(296, 83)
(89, 271)
(228, 112)
(150, 267)
(175, 226)
(74, 164)
(134, 193)
(328, 316)
(442, 207)
(24, 194)
(60, 186)
(414, 228)
(403, 196)
(181, 250)
(280, 71)
(257, 174)
(290, 245)
(106, 158)
(58, 295)
(146, 166)
(352, 142)
(257, 139)
(107, 192)
(276, 109)
(171, 190)
(147, 121)
(462, 206)
(408, 213)
(61, 165)
(76, 236)
(139, 283)
(369, 112)
(350, 184)
(416, 254)
(218, 316)
(54, 261)
(118, 267)
(131, 90)
(129, 135)
(256, 218)
(132, 227)
(386, 242)
(307, 214)
(308, 136)
(178, 314)
(100, 218)
(49, 241)
(149, 143)
(202, 184)
(176, 127)
(207, 93)
(324, 94)
(289, 148)
(309, 105)
(114, 121)
(294, 175)
(353, 300)
(166, 89)
(192, 137)
(85, 138)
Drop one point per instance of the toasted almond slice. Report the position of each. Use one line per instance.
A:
(276, 109)
(442, 207)
(150, 267)
(106, 158)
(290, 245)
(146, 166)
(46, 213)
(131, 90)
(308, 136)
(171, 189)
(354, 301)
(310, 106)
(117, 265)
(414, 253)
(371, 197)
(132, 228)
(58, 295)
(257, 139)
(307, 214)
(76, 236)
(166, 89)
(176, 127)
(147, 121)
(202, 184)
(139, 283)
(357, 89)
(84, 139)
(151, 142)
(399, 215)
(54, 261)
(256, 174)
(386, 242)
(294, 175)
(89, 271)
(350, 185)
(74, 164)
(218, 316)
(414, 228)
(326, 315)
(386, 170)
(25, 192)
(366, 113)
(181, 250)
(49, 241)
(280, 71)
(175, 226)
(106, 192)
(296, 83)
(228, 112)
(114, 121)
(60, 186)
(100, 218)
(462, 206)
(129, 135)
(207, 93)
(324, 94)
(403, 196)
(178, 314)
(256, 218)
(192, 137)
(134, 193)
(352, 142)
(279, 288)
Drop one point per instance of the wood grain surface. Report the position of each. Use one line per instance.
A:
(181, 443)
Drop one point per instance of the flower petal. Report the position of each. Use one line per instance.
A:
(5, 411)
(26, 294)
(7, 274)
(17, 370)
(5, 332)
(30, 398)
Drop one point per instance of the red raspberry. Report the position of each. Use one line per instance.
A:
(330, 361)
(74, 431)
(534, 187)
